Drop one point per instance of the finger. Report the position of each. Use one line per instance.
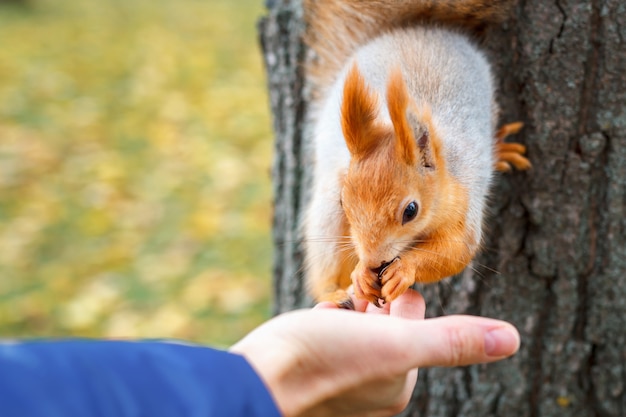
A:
(460, 340)
(410, 305)
(359, 304)
(383, 309)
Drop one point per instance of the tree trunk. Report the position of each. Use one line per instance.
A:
(553, 261)
(280, 36)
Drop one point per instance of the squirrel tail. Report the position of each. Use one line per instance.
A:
(336, 28)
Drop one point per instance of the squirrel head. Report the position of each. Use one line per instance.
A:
(397, 173)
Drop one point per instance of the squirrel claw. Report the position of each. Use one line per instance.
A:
(379, 302)
(346, 304)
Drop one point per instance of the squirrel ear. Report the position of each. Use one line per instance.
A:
(413, 142)
(398, 101)
(422, 135)
(358, 113)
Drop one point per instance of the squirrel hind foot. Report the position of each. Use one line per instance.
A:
(340, 298)
(510, 154)
(507, 130)
(346, 304)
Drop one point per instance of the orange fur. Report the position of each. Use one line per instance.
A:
(358, 116)
(376, 188)
(392, 165)
(397, 101)
(507, 154)
(336, 28)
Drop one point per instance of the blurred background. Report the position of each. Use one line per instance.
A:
(135, 154)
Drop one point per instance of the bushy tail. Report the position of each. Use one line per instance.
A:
(336, 28)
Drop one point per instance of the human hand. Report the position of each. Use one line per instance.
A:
(327, 361)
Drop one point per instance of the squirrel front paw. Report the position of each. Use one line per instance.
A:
(385, 283)
(366, 284)
(395, 279)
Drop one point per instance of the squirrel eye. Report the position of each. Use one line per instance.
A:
(409, 212)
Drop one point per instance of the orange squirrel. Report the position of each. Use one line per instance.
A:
(405, 143)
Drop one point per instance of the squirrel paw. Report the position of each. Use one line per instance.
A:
(366, 285)
(396, 278)
(510, 155)
(340, 298)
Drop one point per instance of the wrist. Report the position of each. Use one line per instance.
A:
(281, 372)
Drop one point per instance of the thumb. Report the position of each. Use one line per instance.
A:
(460, 340)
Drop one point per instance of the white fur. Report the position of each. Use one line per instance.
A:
(442, 69)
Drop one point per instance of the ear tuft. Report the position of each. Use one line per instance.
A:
(359, 108)
(398, 101)
(413, 127)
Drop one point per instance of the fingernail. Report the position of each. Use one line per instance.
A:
(501, 342)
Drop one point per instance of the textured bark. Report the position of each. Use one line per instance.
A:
(554, 261)
(281, 40)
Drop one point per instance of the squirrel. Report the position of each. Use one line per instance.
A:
(405, 144)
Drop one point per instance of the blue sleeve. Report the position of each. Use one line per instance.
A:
(124, 379)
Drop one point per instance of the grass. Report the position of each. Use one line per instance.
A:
(135, 149)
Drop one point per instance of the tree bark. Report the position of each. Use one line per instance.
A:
(553, 261)
(281, 40)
